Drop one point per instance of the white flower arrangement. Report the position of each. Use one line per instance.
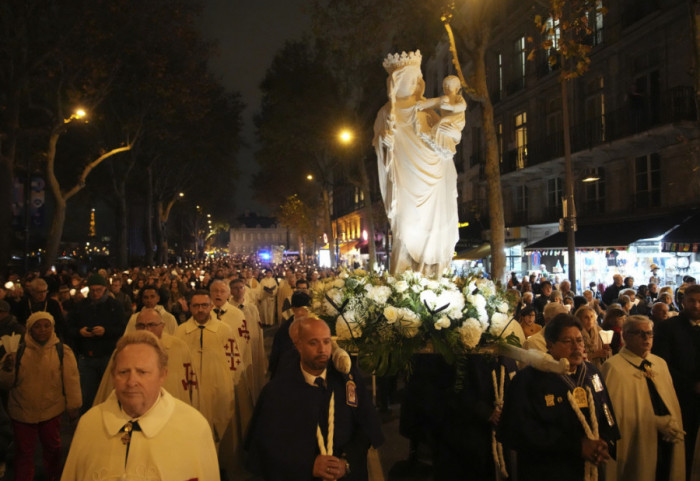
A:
(386, 319)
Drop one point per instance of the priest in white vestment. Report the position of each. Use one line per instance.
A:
(257, 340)
(141, 431)
(211, 344)
(180, 381)
(267, 300)
(651, 447)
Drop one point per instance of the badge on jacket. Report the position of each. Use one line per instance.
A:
(351, 393)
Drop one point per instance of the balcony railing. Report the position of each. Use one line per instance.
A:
(677, 104)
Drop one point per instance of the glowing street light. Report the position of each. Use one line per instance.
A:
(78, 114)
(182, 194)
(345, 136)
(309, 177)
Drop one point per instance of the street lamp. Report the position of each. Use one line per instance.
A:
(346, 136)
(77, 114)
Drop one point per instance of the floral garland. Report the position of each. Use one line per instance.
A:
(386, 319)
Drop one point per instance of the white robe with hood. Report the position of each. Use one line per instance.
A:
(637, 448)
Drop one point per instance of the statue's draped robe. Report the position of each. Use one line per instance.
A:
(419, 188)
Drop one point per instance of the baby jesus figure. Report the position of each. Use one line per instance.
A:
(447, 132)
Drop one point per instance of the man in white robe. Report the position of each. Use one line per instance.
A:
(257, 340)
(647, 426)
(150, 299)
(180, 381)
(211, 343)
(267, 301)
(141, 431)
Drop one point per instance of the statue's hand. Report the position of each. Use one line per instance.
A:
(388, 140)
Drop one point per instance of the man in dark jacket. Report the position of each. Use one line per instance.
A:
(38, 300)
(94, 328)
(612, 292)
(677, 341)
(288, 438)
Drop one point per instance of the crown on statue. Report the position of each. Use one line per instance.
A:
(395, 61)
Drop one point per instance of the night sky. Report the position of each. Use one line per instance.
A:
(249, 33)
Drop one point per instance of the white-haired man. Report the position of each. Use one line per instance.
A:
(641, 389)
(141, 431)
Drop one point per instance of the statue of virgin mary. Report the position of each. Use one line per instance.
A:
(418, 182)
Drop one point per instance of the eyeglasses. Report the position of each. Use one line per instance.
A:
(199, 306)
(644, 334)
(150, 325)
(570, 342)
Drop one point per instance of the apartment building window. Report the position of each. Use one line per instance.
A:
(552, 35)
(499, 140)
(519, 63)
(595, 111)
(648, 181)
(521, 139)
(500, 75)
(554, 195)
(594, 194)
(595, 22)
(521, 201)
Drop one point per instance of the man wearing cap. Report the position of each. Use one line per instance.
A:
(93, 330)
(37, 300)
(42, 378)
(654, 279)
(283, 341)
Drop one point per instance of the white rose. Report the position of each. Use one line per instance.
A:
(442, 323)
(433, 285)
(483, 316)
(499, 321)
(378, 294)
(401, 286)
(391, 314)
(503, 307)
(416, 288)
(470, 332)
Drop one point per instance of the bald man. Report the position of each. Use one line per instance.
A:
(284, 443)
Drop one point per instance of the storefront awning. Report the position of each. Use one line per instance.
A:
(685, 237)
(610, 235)
(346, 247)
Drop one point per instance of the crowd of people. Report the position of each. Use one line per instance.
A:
(151, 361)
(160, 356)
(637, 347)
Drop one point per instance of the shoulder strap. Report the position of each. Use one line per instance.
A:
(18, 359)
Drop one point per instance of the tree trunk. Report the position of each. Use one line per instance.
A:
(7, 177)
(148, 218)
(329, 227)
(570, 221)
(696, 53)
(492, 170)
(369, 214)
(161, 235)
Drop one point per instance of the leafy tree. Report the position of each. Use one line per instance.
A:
(565, 30)
(298, 217)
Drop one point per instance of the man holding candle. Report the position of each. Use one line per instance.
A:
(312, 421)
